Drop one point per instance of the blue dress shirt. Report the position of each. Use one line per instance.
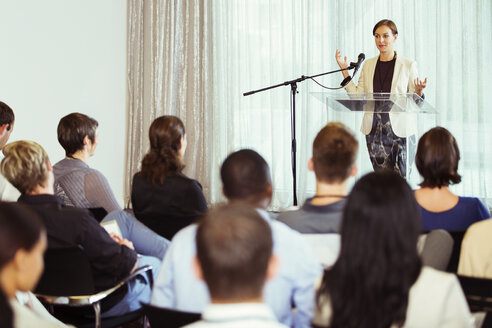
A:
(177, 287)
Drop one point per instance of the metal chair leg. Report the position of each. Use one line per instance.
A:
(97, 312)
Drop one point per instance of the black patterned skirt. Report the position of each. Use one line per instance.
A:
(386, 149)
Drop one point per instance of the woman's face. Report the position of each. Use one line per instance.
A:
(184, 144)
(30, 265)
(384, 38)
(93, 145)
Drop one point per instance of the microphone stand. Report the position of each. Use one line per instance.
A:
(293, 91)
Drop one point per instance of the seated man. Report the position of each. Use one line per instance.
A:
(7, 118)
(476, 251)
(234, 258)
(26, 165)
(246, 178)
(333, 162)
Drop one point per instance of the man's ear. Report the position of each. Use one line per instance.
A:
(48, 165)
(269, 191)
(87, 141)
(354, 170)
(310, 164)
(197, 268)
(4, 128)
(272, 268)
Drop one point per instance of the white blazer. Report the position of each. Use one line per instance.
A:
(403, 76)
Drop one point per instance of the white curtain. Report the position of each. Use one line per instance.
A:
(250, 44)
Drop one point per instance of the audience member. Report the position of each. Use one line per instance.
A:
(75, 182)
(7, 119)
(246, 178)
(22, 245)
(437, 162)
(476, 251)
(234, 258)
(26, 165)
(79, 185)
(333, 162)
(378, 279)
(163, 198)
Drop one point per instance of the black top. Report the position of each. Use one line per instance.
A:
(70, 226)
(169, 207)
(383, 76)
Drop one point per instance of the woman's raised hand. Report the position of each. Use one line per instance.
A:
(419, 85)
(338, 57)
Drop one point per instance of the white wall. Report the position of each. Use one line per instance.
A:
(58, 57)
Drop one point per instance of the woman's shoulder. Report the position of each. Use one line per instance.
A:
(172, 180)
(470, 202)
(405, 61)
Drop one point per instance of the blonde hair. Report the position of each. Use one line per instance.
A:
(25, 165)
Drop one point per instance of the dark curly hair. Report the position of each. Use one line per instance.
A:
(163, 158)
(369, 284)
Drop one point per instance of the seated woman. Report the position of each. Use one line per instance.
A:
(378, 279)
(78, 185)
(22, 245)
(163, 198)
(75, 182)
(437, 162)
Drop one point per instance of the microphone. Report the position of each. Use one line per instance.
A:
(346, 81)
(358, 63)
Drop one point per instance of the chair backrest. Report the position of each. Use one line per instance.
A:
(67, 272)
(326, 246)
(478, 292)
(98, 213)
(455, 255)
(162, 317)
(437, 249)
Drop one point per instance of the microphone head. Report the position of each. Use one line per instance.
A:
(361, 57)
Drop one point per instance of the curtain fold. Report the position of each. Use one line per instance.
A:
(196, 58)
(169, 74)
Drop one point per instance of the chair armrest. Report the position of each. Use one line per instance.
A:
(84, 300)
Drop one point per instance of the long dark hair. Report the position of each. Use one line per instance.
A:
(369, 284)
(19, 229)
(163, 159)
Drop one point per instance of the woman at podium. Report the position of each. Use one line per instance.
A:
(386, 133)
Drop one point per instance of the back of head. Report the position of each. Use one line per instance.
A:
(378, 261)
(25, 165)
(234, 246)
(163, 159)
(6, 115)
(19, 229)
(72, 130)
(245, 176)
(437, 158)
(334, 153)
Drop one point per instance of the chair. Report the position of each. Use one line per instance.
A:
(325, 246)
(437, 249)
(169, 318)
(67, 286)
(478, 292)
(455, 254)
(98, 212)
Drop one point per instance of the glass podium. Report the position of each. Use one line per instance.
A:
(409, 114)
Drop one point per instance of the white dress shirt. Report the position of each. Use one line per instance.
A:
(237, 315)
